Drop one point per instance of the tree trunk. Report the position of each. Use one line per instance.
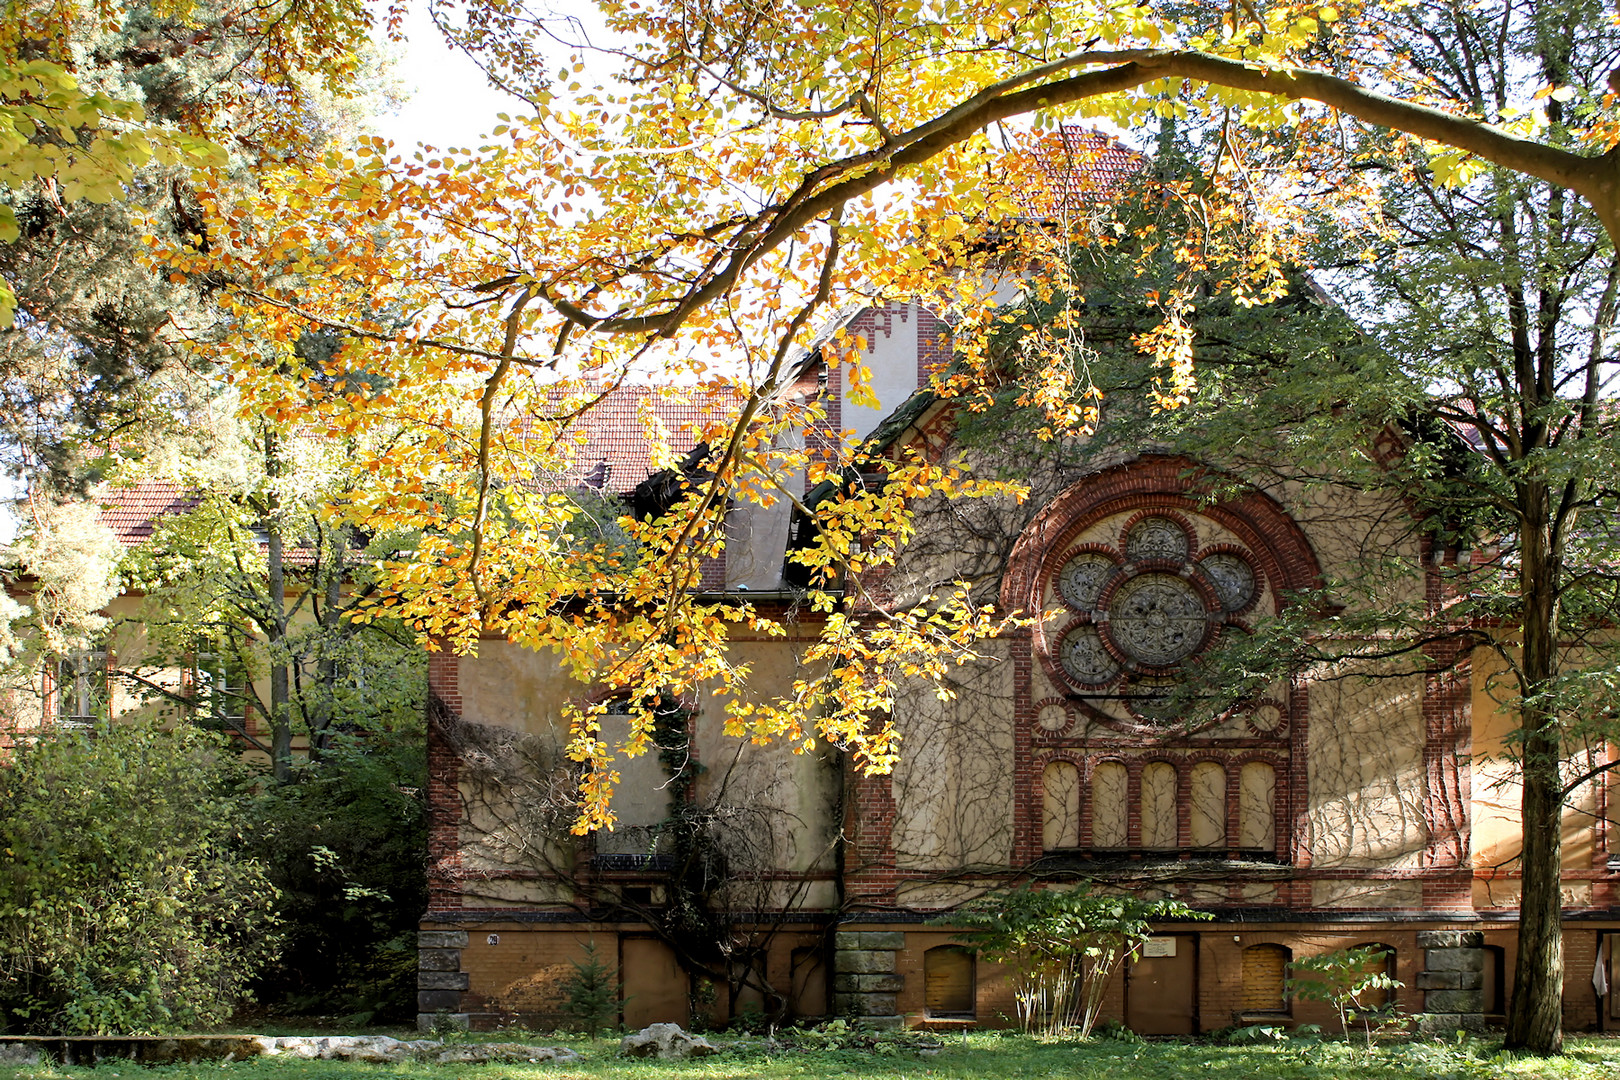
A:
(327, 668)
(1535, 1013)
(276, 618)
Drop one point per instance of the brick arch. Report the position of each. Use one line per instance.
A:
(1168, 484)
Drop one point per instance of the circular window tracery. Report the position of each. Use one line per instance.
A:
(1147, 606)
(1086, 658)
(1157, 619)
(1082, 579)
(1232, 577)
(1156, 538)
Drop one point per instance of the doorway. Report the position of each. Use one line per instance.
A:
(1161, 987)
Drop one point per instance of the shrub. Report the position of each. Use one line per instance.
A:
(1060, 947)
(1354, 981)
(346, 844)
(124, 907)
(591, 993)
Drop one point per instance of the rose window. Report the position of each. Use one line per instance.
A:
(1147, 603)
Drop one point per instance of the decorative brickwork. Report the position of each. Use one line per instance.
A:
(870, 875)
(443, 794)
(1160, 498)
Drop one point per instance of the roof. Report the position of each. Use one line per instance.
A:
(1073, 169)
(131, 512)
(616, 453)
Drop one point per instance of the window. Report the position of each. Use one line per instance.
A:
(221, 687)
(1160, 806)
(1493, 988)
(1257, 795)
(1265, 974)
(1208, 826)
(1383, 962)
(948, 983)
(1109, 823)
(81, 687)
(1060, 792)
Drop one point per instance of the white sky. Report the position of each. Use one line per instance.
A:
(451, 102)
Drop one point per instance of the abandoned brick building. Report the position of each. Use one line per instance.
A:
(1320, 815)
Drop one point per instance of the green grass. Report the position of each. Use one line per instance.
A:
(980, 1056)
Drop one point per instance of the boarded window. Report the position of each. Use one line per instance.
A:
(1377, 997)
(1159, 805)
(948, 982)
(809, 978)
(1109, 827)
(1265, 968)
(1208, 820)
(1257, 793)
(1060, 784)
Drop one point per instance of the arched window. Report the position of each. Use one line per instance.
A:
(1208, 820)
(1257, 793)
(1265, 977)
(1494, 983)
(948, 983)
(1060, 786)
(1159, 806)
(1110, 826)
(1384, 963)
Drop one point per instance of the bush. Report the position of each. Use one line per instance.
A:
(346, 843)
(1060, 947)
(1355, 982)
(124, 905)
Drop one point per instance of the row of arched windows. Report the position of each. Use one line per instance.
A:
(949, 980)
(1154, 810)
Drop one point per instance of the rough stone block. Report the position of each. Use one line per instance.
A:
(1450, 980)
(1454, 1001)
(429, 1022)
(882, 939)
(441, 939)
(863, 962)
(843, 1004)
(433, 1000)
(874, 1004)
(442, 980)
(1450, 939)
(1454, 960)
(847, 939)
(438, 960)
(1446, 1025)
(868, 984)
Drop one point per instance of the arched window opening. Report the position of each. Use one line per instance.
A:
(1208, 821)
(948, 991)
(1383, 963)
(1493, 985)
(1110, 827)
(1257, 793)
(1159, 806)
(1060, 786)
(1265, 978)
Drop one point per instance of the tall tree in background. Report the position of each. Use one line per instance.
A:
(260, 576)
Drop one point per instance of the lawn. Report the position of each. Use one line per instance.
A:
(976, 1057)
